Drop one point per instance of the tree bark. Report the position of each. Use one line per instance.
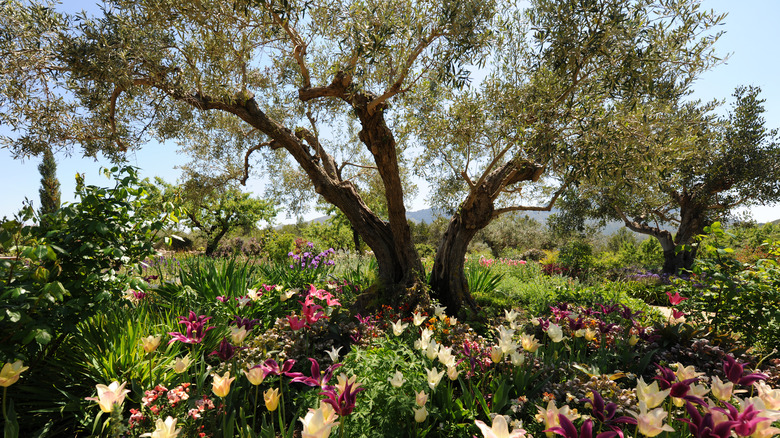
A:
(678, 252)
(448, 278)
(391, 242)
(692, 223)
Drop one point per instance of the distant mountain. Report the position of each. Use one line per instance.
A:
(428, 215)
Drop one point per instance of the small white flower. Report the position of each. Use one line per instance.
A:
(439, 311)
(510, 315)
(517, 358)
(398, 327)
(434, 377)
(397, 380)
(445, 356)
(554, 332)
(417, 318)
(333, 353)
(432, 351)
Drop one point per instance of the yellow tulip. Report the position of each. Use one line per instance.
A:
(221, 384)
(254, 375)
(181, 364)
(164, 429)
(271, 399)
(10, 373)
(151, 342)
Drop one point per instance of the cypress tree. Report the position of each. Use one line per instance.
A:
(50, 185)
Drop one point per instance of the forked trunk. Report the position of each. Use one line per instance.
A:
(680, 254)
(448, 278)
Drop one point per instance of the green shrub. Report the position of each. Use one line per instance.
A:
(534, 255)
(733, 297)
(277, 247)
(67, 271)
(576, 256)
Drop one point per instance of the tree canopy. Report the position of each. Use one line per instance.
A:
(213, 208)
(715, 164)
(329, 96)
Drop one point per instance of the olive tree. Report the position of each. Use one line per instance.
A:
(212, 207)
(320, 93)
(538, 121)
(716, 165)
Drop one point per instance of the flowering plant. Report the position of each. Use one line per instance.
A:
(195, 412)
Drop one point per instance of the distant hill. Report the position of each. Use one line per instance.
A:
(428, 215)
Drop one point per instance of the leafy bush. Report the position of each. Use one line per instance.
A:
(68, 270)
(238, 246)
(734, 297)
(534, 255)
(278, 246)
(576, 256)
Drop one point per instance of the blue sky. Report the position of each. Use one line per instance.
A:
(751, 37)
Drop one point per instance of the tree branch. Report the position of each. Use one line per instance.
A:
(547, 207)
(246, 160)
(347, 163)
(299, 49)
(337, 88)
(112, 117)
(642, 227)
(395, 88)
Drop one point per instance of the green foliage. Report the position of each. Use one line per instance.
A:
(481, 279)
(202, 279)
(373, 366)
(49, 192)
(733, 297)
(67, 271)
(277, 247)
(576, 256)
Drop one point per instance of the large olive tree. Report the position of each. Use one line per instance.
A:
(319, 91)
(539, 120)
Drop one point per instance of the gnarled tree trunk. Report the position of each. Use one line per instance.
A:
(678, 252)
(448, 278)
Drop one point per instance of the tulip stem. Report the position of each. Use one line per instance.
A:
(254, 413)
(5, 415)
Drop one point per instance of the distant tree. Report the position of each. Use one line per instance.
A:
(212, 208)
(50, 185)
(516, 232)
(620, 239)
(717, 165)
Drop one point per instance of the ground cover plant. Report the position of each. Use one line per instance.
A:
(228, 347)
